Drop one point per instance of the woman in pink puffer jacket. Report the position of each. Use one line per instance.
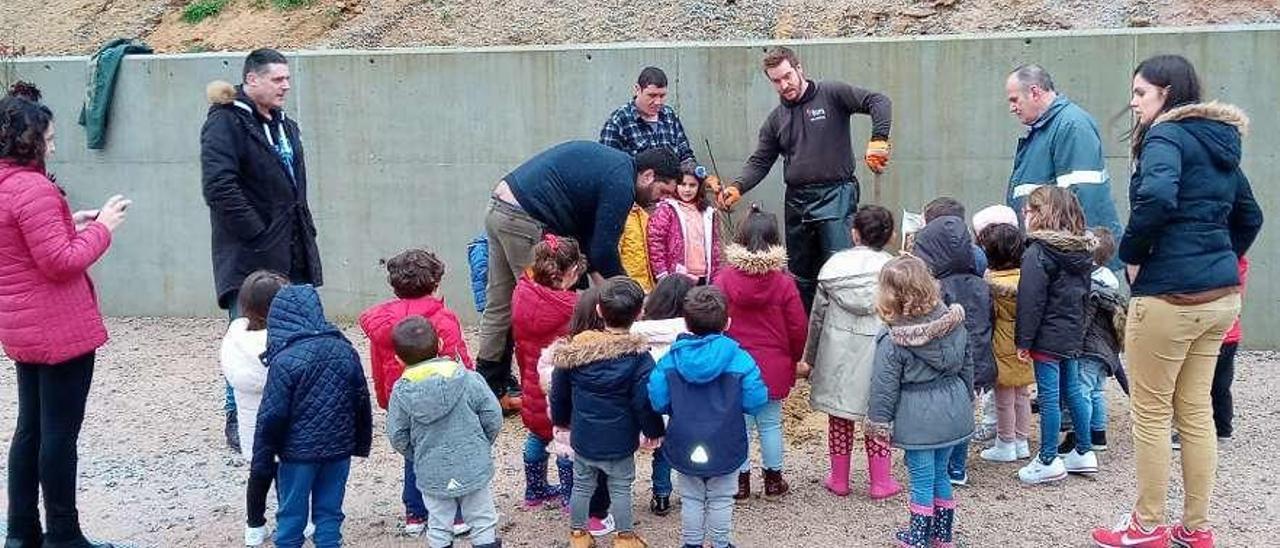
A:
(49, 320)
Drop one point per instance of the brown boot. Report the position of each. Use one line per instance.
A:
(629, 540)
(581, 539)
(774, 486)
(510, 404)
(744, 486)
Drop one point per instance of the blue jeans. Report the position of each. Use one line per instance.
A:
(662, 475)
(410, 495)
(312, 490)
(769, 424)
(1093, 378)
(928, 471)
(958, 463)
(1051, 377)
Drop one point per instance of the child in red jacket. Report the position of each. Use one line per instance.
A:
(414, 276)
(767, 318)
(540, 309)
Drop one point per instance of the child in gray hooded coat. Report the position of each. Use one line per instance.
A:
(445, 419)
(922, 392)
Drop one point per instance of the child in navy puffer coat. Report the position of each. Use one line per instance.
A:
(315, 415)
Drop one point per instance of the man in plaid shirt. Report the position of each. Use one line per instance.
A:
(647, 121)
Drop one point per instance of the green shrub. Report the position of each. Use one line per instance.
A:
(199, 10)
(289, 4)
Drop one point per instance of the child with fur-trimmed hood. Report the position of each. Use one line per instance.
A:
(1050, 329)
(922, 392)
(770, 323)
(599, 392)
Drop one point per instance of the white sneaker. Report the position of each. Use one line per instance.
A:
(309, 530)
(415, 528)
(461, 529)
(1076, 463)
(1038, 472)
(255, 536)
(1024, 449)
(1002, 451)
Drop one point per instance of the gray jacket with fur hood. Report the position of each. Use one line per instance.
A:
(923, 381)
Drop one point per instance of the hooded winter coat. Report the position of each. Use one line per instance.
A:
(380, 320)
(842, 332)
(539, 315)
(315, 405)
(445, 419)
(48, 307)
(1104, 310)
(923, 383)
(1011, 371)
(706, 384)
(667, 244)
(257, 203)
(945, 245)
(241, 358)
(599, 391)
(1052, 290)
(767, 317)
(1192, 210)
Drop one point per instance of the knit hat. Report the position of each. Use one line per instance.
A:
(996, 214)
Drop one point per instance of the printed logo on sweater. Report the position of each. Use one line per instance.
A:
(816, 114)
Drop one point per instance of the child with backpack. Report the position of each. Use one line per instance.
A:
(770, 323)
(706, 383)
(922, 393)
(841, 348)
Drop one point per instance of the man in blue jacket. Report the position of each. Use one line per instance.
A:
(1062, 147)
(579, 189)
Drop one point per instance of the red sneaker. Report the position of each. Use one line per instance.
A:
(1128, 534)
(1200, 538)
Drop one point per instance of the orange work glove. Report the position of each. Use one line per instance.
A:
(728, 197)
(877, 157)
(713, 184)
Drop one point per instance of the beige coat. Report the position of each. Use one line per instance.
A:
(842, 331)
(1010, 371)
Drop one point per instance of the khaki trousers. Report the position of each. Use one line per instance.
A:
(1172, 351)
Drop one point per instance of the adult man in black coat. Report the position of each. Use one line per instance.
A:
(255, 183)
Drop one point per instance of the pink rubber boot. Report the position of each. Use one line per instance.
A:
(880, 469)
(838, 480)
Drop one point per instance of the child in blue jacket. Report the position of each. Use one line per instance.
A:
(706, 382)
(315, 415)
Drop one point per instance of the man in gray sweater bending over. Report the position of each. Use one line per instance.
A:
(810, 129)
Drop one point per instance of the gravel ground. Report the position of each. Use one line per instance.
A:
(153, 471)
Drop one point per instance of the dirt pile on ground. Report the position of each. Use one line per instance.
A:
(79, 26)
